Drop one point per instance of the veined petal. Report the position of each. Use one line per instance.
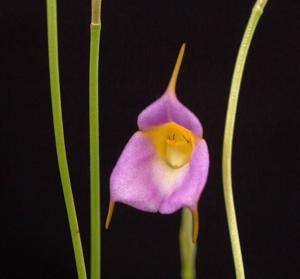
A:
(131, 181)
(145, 181)
(141, 178)
(188, 193)
(167, 109)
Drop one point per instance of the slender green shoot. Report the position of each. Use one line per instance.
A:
(94, 141)
(228, 135)
(59, 137)
(188, 249)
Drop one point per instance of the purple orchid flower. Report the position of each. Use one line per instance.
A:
(164, 166)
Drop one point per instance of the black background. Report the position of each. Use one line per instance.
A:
(139, 45)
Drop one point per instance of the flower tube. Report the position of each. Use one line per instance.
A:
(164, 166)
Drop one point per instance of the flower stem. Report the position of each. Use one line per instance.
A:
(59, 137)
(228, 135)
(94, 142)
(188, 249)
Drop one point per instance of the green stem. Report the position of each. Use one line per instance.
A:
(94, 142)
(228, 135)
(188, 249)
(59, 137)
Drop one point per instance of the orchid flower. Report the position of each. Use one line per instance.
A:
(164, 166)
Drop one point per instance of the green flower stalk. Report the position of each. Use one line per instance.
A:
(94, 141)
(228, 135)
(188, 249)
(59, 137)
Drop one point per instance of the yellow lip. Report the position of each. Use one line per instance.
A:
(173, 143)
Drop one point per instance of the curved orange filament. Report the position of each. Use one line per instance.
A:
(172, 83)
(195, 216)
(110, 213)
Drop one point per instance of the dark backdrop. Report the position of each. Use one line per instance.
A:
(139, 45)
